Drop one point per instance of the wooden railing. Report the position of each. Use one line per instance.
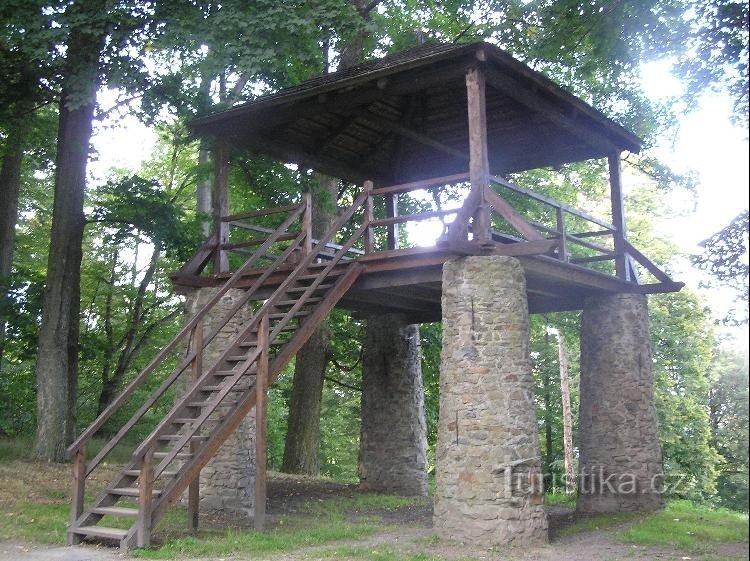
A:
(190, 337)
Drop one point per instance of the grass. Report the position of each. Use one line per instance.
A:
(599, 522)
(690, 527)
(337, 506)
(251, 542)
(560, 499)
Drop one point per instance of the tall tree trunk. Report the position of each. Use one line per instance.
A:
(57, 354)
(10, 186)
(547, 397)
(302, 444)
(570, 480)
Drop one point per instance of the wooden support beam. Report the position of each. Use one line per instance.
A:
(479, 167)
(145, 495)
(221, 204)
(79, 489)
(618, 216)
(307, 222)
(505, 210)
(196, 369)
(261, 413)
(563, 247)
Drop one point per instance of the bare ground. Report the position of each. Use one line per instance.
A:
(404, 530)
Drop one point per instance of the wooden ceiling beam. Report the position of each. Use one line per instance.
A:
(534, 101)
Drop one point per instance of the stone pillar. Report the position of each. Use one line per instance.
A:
(620, 467)
(227, 482)
(489, 484)
(393, 440)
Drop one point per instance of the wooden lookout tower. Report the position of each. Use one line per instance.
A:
(421, 121)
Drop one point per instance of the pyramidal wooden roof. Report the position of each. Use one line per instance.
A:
(404, 118)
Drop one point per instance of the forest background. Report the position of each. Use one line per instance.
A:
(86, 245)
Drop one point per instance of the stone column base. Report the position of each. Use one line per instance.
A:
(489, 485)
(620, 467)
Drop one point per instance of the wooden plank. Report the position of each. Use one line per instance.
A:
(261, 413)
(657, 288)
(593, 258)
(422, 184)
(220, 201)
(504, 209)
(618, 215)
(260, 212)
(78, 494)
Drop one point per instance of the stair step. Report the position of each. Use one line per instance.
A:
(137, 473)
(310, 300)
(183, 420)
(304, 288)
(171, 437)
(297, 314)
(115, 510)
(178, 456)
(129, 491)
(224, 373)
(331, 273)
(223, 402)
(101, 532)
(216, 388)
(236, 358)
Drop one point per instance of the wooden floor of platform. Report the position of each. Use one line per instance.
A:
(409, 281)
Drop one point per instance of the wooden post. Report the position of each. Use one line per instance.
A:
(79, 488)
(369, 216)
(563, 247)
(221, 204)
(307, 222)
(479, 167)
(618, 216)
(261, 451)
(145, 492)
(391, 211)
(196, 369)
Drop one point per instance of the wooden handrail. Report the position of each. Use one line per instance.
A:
(261, 212)
(167, 349)
(551, 202)
(249, 327)
(422, 184)
(413, 217)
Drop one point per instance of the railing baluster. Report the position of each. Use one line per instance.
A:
(307, 222)
(563, 247)
(369, 217)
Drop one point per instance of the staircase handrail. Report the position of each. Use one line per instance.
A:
(117, 403)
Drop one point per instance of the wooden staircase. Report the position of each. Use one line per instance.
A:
(168, 462)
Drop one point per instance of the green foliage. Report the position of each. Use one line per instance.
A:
(689, 527)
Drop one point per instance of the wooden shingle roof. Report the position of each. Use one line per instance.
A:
(403, 118)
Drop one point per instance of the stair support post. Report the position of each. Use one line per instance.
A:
(261, 411)
(221, 204)
(145, 495)
(79, 488)
(196, 369)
